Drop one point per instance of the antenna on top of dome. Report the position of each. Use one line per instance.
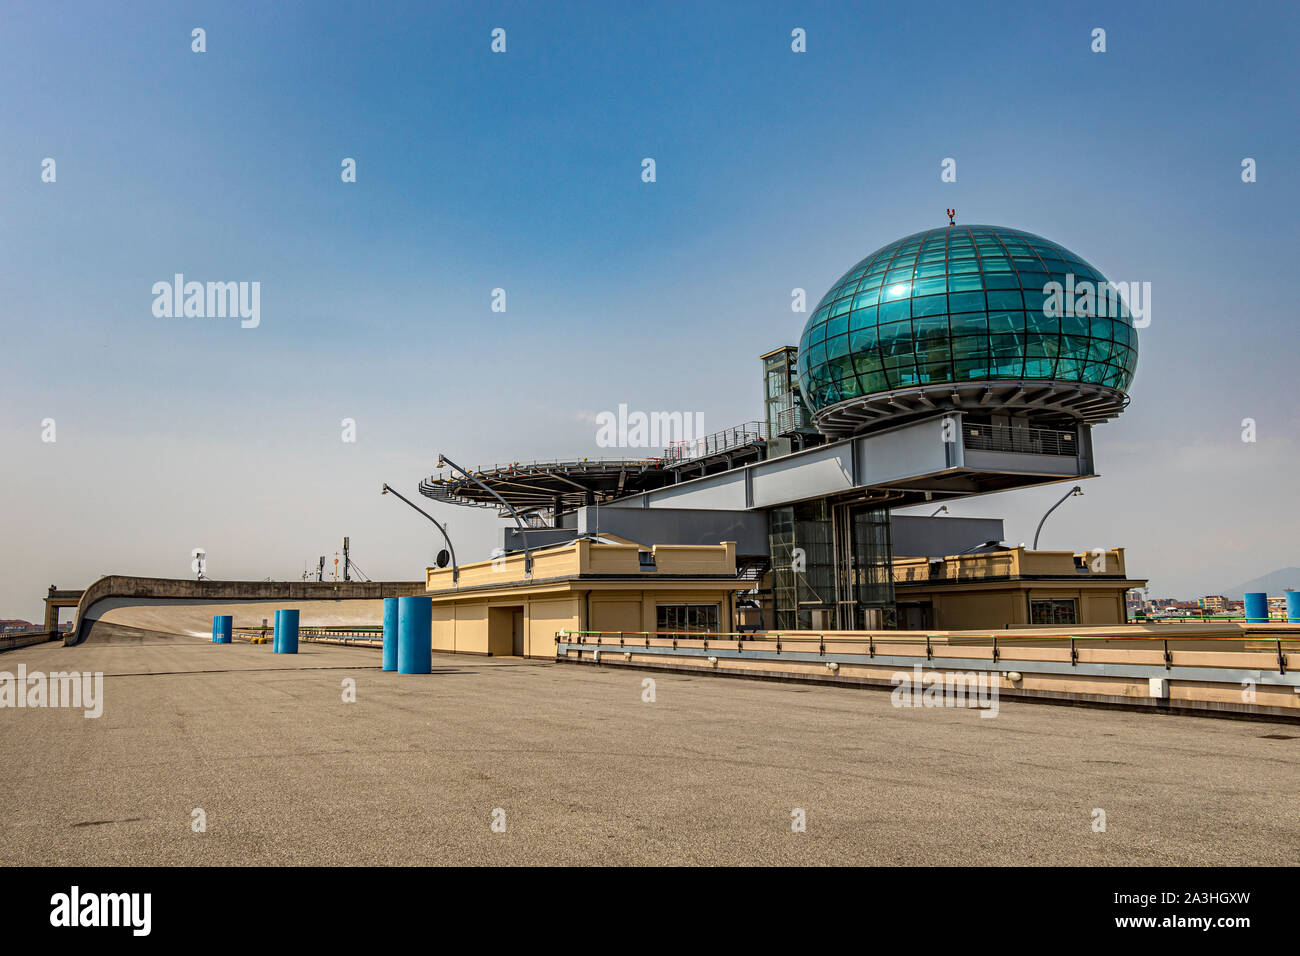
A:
(951, 215)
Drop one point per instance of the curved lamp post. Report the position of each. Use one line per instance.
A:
(528, 555)
(1076, 490)
(455, 571)
(942, 508)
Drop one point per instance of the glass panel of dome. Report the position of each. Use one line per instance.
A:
(967, 283)
(1004, 299)
(893, 311)
(966, 302)
(898, 275)
(840, 307)
(1006, 321)
(969, 369)
(1069, 369)
(929, 286)
(1074, 346)
(933, 269)
(862, 318)
(889, 333)
(960, 266)
(837, 347)
(969, 323)
(863, 340)
(1005, 345)
(969, 347)
(928, 374)
(1001, 280)
(905, 377)
(930, 305)
(902, 348)
(837, 326)
(1037, 322)
(930, 326)
(1033, 300)
(1095, 373)
(874, 382)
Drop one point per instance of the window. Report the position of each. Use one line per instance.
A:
(1056, 611)
(687, 617)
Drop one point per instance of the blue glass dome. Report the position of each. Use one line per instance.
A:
(963, 312)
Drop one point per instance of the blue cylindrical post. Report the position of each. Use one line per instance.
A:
(223, 627)
(1293, 606)
(276, 631)
(286, 631)
(390, 634)
(415, 635)
(1256, 607)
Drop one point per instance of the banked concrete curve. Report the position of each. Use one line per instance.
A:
(185, 607)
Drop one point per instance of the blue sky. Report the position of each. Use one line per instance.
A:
(521, 171)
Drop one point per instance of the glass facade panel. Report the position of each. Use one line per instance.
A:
(974, 295)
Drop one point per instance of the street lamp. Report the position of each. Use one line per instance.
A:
(455, 571)
(1076, 490)
(523, 527)
(942, 509)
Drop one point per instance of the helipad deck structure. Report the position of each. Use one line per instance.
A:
(555, 486)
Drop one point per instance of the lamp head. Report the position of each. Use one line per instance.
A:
(441, 461)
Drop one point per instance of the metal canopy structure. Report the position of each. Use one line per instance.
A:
(1032, 400)
(553, 486)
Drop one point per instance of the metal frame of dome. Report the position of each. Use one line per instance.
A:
(1039, 399)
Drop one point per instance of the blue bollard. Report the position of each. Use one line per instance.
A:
(276, 631)
(1256, 607)
(223, 628)
(415, 635)
(390, 634)
(286, 631)
(1293, 606)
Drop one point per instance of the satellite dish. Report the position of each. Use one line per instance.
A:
(442, 558)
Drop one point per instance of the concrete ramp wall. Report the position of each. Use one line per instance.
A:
(185, 608)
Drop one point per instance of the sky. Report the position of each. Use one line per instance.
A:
(522, 171)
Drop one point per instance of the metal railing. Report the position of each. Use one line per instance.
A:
(739, 436)
(1033, 439)
(850, 647)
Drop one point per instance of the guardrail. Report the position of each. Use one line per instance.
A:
(1105, 668)
(347, 634)
(1033, 439)
(738, 436)
(1214, 619)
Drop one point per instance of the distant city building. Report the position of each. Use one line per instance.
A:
(1214, 604)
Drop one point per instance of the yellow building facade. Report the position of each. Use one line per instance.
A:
(1013, 588)
(604, 584)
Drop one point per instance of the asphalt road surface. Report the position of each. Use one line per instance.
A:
(582, 770)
